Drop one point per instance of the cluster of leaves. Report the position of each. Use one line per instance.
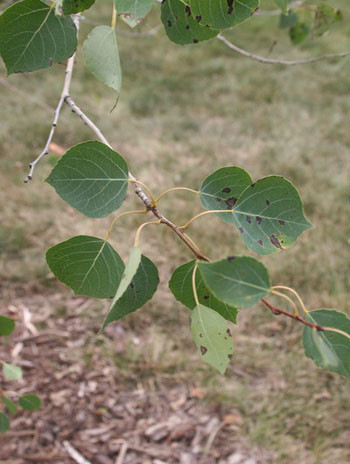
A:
(303, 20)
(267, 214)
(11, 372)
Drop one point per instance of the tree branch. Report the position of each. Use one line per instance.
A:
(262, 59)
(64, 93)
(278, 311)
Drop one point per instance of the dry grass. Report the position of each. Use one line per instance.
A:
(184, 112)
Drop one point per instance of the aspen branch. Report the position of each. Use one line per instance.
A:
(64, 93)
(262, 59)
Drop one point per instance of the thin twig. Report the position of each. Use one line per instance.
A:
(275, 61)
(74, 454)
(278, 311)
(65, 92)
(122, 453)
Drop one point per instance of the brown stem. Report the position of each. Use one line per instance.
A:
(278, 311)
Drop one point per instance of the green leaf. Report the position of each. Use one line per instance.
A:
(325, 17)
(222, 188)
(288, 20)
(102, 56)
(30, 402)
(330, 350)
(141, 289)
(181, 27)
(76, 6)
(298, 33)
(31, 36)
(9, 404)
(239, 281)
(92, 178)
(7, 326)
(181, 286)
(11, 372)
(269, 215)
(4, 423)
(222, 14)
(133, 11)
(89, 265)
(212, 336)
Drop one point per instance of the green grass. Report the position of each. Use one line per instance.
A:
(184, 112)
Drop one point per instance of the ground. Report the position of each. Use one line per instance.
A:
(138, 393)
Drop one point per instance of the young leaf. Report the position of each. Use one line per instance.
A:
(102, 56)
(212, 336)
(30, 402)
(181, 286)
(76, 6)
(141, 289)
(239, 281)
(222, 14)
(9, 404)
(11, 372)
(7, 326)
(222, 188)
(89, 265)
(4, 423)
(133, 11)
(330, 350)
(31, 36)
(269, 215)
(92, 178)
(181, 27)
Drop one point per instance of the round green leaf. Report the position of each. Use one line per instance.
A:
(7, 326)
(212, 336)
(11, 372)
(133, 11)
(181, 27)
(330, 350)
(181, 286)
(92, 178)
(9, 404)
(30, 402)
(4, 423)
(31, 36)
(222, 14)
(102, 56)
(239, 281)
(89, 265)
(222, 188)
(141, 289)
(269, 215)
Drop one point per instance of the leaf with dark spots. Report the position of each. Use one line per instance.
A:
(275, 242)
(241, 230)
(249, 219)
(258, 219)
(181, 26)
(282, 222)
(213, 345)
(230, 356)
(228, 331)
(203, 349)
(218, 199)
(198, 18)
(226, 190)
(261, 242)
(267, 202)
(230, 258)
(252, 186)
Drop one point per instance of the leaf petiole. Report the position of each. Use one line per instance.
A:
(119, 216)
(203, 213)
(137, 236)
(173, 189)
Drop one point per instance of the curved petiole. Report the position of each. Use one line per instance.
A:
(121, 215)
(138, 232)
(173, 189)
(203, 213)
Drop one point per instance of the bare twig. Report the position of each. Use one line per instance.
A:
(122, 453)
(65, 92)
(138, 190)
(262, 59)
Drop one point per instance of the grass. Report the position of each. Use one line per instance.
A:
(184, 112)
